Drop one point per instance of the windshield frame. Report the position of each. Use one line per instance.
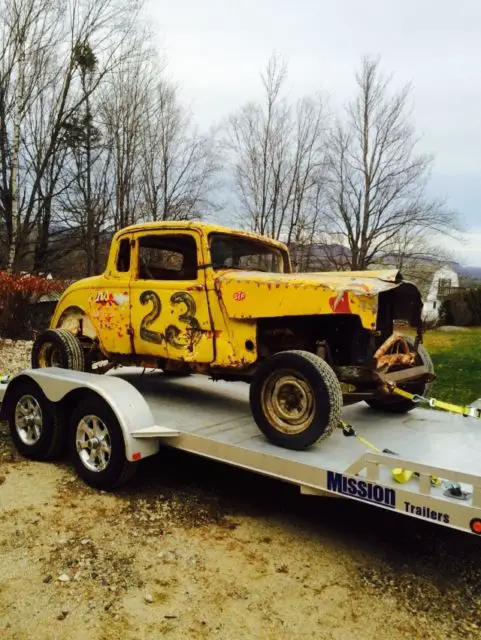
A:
(283, 256)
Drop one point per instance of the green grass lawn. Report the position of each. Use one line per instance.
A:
(457, 364)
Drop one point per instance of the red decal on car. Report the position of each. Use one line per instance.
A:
(239, 296)
(340, 304)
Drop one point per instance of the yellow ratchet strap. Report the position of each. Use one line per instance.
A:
(399, 475)
(350, 431)
(468, 412)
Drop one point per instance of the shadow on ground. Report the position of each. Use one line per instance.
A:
(427, 568)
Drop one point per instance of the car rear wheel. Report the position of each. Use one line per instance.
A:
(396, 404)
(296, 399)
(58, 348)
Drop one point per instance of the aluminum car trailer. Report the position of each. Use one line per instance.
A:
(111, 422)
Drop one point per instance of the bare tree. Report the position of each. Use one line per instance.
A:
(125, 104)
(40, 41)
(377, 180)
(28, 27)
(86, 196)
(256, 137)
(279, 160)
(180, 166)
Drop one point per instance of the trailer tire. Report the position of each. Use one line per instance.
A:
(396, 404)
(296, 399)
(58, 348)
(37, 435)
(97, 446)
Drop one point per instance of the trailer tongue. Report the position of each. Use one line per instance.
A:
(424, 464)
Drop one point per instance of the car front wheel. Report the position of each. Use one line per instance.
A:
(296, 399)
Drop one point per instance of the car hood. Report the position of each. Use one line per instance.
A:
(252, 294)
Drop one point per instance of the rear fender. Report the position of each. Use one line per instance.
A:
(76, 320)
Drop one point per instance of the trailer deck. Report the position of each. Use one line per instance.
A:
(213, 419)
(219, 412)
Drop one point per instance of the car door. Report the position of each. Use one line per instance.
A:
(169, 310)
(109, 303)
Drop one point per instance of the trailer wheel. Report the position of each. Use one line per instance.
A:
(296, 399)
(395, 404)
(97, 445)
(58, 348)
(35, 423)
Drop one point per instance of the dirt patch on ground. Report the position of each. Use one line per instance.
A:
(14, 356)
(195, 549)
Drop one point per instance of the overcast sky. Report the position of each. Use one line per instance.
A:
(216, 51)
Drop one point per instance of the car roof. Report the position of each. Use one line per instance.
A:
(196, 225)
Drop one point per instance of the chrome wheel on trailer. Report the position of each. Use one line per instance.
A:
(28, 419)
(36, 424)
(93, 443)
(97, 445)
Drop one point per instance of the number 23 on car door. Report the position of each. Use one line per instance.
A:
(170, 317)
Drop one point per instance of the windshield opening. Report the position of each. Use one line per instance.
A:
(234, 252)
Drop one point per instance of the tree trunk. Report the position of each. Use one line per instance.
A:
(40, 260)
(12, 253)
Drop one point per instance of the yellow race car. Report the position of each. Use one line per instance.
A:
(189, 297)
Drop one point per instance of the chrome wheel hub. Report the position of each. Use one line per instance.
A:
(28, 420)
(92, 440)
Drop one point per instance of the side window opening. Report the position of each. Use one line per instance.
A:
(167, 258)
(123, 256)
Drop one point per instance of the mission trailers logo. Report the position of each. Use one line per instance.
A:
(362, 489)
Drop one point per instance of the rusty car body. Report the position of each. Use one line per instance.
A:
(191, 297)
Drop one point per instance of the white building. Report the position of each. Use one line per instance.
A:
(444, 280)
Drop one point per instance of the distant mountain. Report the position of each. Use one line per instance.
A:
(329, 254)
(470, 272)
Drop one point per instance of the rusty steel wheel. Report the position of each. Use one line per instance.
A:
(296, 399)
(288, 401)
(49, 356)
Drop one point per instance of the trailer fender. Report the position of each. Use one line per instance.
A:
(141, 434)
